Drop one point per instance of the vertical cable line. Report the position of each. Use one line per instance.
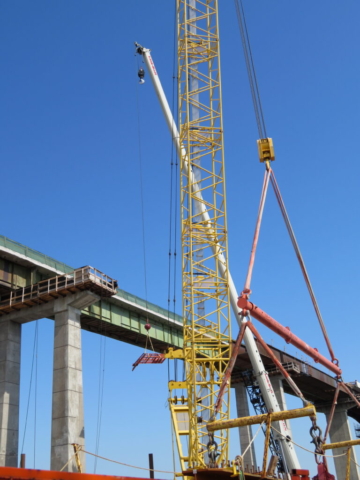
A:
(177, 180)
(253, 70)
(171, 191)
(176, 109)
(100, 395)
(262, 132)
(141, 196)
(36, 385)
(250, 67)
(30, 387)
(173, 195)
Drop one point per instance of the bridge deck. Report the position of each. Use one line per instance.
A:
(123, 317)
(85, 278)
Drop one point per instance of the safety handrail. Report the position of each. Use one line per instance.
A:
(80, 276)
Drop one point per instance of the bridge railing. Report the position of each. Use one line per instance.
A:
(84, 278)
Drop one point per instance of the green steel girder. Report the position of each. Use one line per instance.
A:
(123, 317)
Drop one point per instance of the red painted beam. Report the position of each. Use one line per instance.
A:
(287, 335)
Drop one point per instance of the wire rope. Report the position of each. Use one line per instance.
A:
(261, 114)
(36, 386)
(175, 112)
(121, 463)
(173, 195)
(262, 132)
(30, 388)
(100, 394)
(269, 172)
(177, 181)
(141, 196)
(306, 449)
(255, 94)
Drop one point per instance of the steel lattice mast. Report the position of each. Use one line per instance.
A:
(201, 141)
(204, 237)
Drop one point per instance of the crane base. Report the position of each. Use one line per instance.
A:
(226, 474)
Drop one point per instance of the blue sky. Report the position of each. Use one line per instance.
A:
(71, 181)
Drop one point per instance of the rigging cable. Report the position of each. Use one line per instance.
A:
(173, 196)
(100, 394)
(175, 107)
(269, 174)
(262, 133)
(141, 195)
(255, 94)
(30, 387)
(176, 196)
(36, 385)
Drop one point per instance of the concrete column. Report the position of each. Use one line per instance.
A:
(10, 338)
(67, 402)
(245, 433)
(277, 384)
(339, 432)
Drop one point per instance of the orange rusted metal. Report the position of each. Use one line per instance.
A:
(149, 358)
(297, 474)
(11, 473)
(286, 334)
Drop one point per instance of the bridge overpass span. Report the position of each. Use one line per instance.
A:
(123, 317)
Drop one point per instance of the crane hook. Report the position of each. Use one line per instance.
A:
(141, 75)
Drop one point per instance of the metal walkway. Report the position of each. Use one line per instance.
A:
(85, 278)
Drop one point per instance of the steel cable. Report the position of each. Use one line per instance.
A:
(30, 386)
(250, 67)
(100, 394)
(142, 197)
(173, 195)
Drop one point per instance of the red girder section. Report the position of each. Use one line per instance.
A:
(149, 358)
(287, 335)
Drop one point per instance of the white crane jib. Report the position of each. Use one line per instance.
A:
(261, 375)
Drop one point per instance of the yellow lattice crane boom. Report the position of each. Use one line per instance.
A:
(205, 283)
(205, 275)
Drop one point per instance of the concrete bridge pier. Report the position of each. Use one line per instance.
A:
(340, 431)
(242, 407)
(10, 346)
(277, 384)
(67, 401)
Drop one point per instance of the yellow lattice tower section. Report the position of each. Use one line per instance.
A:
(204, 232)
